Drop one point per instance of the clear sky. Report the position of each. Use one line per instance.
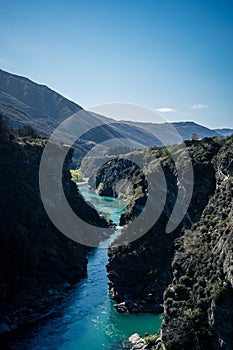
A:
(175, 56)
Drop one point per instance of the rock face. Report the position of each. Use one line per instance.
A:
(140, 271)
(199, 302)
(121, 307)
(118, 178)
(37, 262)
(137, 342)
(193, 266)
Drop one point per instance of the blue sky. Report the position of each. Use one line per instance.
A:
(174, 56)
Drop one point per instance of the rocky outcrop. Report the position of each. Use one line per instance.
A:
(140, 271)
(137, 342)
(118, 178)
(37, 263)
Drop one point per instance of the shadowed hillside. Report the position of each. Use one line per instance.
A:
(35, 257)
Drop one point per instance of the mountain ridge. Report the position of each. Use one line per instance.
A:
(27, 102)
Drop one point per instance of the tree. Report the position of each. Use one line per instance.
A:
(4, 130)
(27, 130)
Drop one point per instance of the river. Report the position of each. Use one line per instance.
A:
(88, 320)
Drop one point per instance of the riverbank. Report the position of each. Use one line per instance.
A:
(83, 182)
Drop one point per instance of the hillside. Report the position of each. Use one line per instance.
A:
(41, 105)
(37, 262)
(26, 102)
(184, 129)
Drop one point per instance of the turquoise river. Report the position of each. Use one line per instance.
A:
(88, 320)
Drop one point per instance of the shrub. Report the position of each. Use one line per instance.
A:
(151, 339)
(27, 130)
(76, 175)
(100, 187)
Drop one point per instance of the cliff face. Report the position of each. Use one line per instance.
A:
(117, 178)
(141, 271)
(195, 260)
(36, 260)
(199, 302)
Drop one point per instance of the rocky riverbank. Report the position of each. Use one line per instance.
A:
(137, 342)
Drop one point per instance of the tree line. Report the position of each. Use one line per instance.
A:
(9, 132)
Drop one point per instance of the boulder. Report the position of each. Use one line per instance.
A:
(121, 308)
(138, 343)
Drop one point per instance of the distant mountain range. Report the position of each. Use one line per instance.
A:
(25, 102)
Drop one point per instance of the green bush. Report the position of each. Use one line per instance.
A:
(192, 314)
(151, 339)
(76, 175)
(100, 187)
(216, 290)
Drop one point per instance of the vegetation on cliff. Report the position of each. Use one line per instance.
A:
(199, 302)
(141, 270)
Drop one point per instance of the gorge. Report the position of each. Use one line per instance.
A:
(54, 291)
(86, 319)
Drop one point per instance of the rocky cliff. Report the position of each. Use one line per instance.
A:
(140, 271)
(118, 178)
(37, 262)
(199, 302)
(195, 260)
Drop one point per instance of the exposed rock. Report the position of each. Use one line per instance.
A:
(134, 338)
(121, 308)
(137, 342)
(118, 178)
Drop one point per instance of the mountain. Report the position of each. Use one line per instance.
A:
(184, 129)
(41, 105)
(26, 102)
(224, 132)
